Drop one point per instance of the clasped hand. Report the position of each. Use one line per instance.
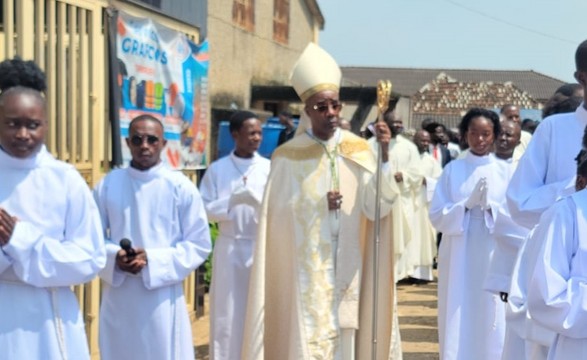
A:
(479, 196)
(243, 195)
(132, 264)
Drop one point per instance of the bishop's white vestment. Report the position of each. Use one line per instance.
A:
(310, 289)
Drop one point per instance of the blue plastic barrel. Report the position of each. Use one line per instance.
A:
(225, 141)
(270, 138)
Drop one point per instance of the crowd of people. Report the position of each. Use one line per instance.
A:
(312, 242)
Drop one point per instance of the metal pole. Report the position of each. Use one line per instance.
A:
(376, 250)
(383, 93)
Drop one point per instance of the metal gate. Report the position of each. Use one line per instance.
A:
(67, 39)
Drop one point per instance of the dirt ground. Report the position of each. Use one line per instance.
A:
(417, 312)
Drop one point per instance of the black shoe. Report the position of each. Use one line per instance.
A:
(419, 281)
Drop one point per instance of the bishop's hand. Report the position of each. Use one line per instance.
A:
(334, 200)
(383, 135)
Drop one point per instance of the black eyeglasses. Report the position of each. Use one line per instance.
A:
(137, 140)
(323, 106)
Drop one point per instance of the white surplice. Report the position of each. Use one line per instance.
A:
(233, 250)
(545, 174)
(546, 171)
(422, 247)
(509, 239)
(471, 321)
(57, 242)
(557, 297)
(404, 158)
(144, 316)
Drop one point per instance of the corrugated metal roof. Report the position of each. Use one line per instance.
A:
(408, 81)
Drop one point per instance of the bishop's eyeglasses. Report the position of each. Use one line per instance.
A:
(323, 106)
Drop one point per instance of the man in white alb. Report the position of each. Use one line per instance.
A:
(232, 190)
(143, 314)
(545, 174)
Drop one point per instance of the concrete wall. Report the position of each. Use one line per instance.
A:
(239, 59)
(192, 12)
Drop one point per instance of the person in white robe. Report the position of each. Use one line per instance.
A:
(465, 208)
(509, 238)
(556, 296)
(423, 244)
(143, 313)
(311, 290)
(50, 235)
(544, 175)
(232, 190)
(404, 163)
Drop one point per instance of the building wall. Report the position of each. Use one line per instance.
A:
(192, 12)
(239, 58)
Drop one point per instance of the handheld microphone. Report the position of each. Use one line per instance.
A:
(126, 245)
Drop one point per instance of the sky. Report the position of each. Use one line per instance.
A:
(539, 35)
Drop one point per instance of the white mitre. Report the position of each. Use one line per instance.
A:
(314, 71)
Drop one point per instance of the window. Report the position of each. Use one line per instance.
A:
(281, 21)
(243, 14)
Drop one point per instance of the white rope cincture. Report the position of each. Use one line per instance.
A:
(58, 323)
(176, 327)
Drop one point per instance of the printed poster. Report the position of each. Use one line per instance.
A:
(162, 73)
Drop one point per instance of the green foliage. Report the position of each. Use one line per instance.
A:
(208, 263)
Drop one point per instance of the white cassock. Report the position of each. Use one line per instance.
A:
(545, 174)
(233, 202)
(509, 239)
(423, 245)
(471, 321)
(56, 243)
(557, 297)
(144, 316)
(404, 158)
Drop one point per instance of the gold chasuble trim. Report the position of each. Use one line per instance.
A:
(350, 147)
(316, 89)
(316, 274)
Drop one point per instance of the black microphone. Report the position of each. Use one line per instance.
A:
(126, 245)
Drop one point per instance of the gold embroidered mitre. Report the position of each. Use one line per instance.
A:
(315, 71)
